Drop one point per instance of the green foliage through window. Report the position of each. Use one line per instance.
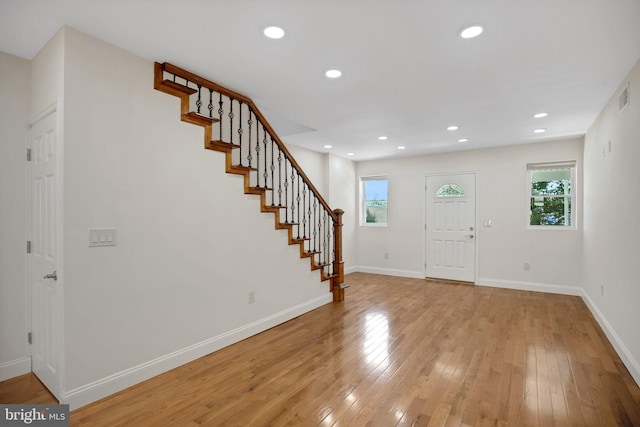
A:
(551, 196)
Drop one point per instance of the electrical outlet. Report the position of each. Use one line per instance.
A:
(527, 266)
(252, 297)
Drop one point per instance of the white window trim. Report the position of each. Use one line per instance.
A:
(572, 165)
(361, 201)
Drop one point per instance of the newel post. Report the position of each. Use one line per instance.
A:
(338, 264)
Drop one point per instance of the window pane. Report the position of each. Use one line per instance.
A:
(550, 211)
(563, 174)
(375, 195)
(551, 194)
(550, 187)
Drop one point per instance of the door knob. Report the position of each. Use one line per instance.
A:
(53, 276)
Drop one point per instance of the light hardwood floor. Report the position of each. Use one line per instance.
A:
(396, 352)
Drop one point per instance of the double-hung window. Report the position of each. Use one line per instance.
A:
(373, 200)
(552, 195)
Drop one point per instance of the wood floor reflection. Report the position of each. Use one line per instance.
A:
(398, 352)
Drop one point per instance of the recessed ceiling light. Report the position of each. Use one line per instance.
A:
(350, 154)
(540, 130)
(328, 146)
(453, 127)
(540, 115)
(463, 140)
(274, 32)
(333, 74)
(401, 147)
(383, 138)
(471, 32)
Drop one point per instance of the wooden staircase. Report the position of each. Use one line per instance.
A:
(314, 227)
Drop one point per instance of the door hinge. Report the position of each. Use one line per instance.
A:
(28, 154)
(29, 338)
(28, 246)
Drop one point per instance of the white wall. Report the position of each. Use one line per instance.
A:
(14, 120)
(191, 245)
(342, 193)
(611, 232)
(47, 76)
(554, 255)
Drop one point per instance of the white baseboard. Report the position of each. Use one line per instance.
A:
(627, 358)
(15, 368)
(104, 387)
(351, 269)
(387, 271)
(530, 286)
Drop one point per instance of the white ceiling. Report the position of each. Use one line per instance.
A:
(406, 73)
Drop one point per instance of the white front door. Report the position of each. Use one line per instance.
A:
(43, 265)
(451, 227)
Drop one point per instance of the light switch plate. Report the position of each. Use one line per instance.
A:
(102, 237)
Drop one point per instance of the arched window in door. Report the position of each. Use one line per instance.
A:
(450, 190)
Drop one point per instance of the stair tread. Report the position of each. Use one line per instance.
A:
(243, 168)
(319, 266)
(198, 119)
(310, 253)
(224, 143)
(177, 87)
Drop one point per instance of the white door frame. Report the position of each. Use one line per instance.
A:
(477, 219)
(54, 108)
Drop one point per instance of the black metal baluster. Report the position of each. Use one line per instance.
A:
(240, 132)
(250, 123)
(280, 176)
(199, 100)
(324, 244)
(293, 202)
(273, 184)
(258, 153)
(231, 120)
(315, 212)
(210, 106)
(220, 113)
(286, 196)
(304, 214)
(265, 174)
(298, 201)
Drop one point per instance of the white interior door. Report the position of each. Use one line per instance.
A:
(43, 260)
(450, 227)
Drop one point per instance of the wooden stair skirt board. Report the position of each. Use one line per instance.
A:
(185, 92)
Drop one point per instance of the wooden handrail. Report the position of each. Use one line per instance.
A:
(170, 68)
